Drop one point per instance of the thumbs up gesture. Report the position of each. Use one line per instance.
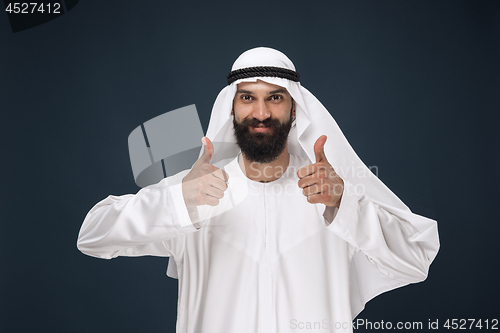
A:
(319, 181)
(204, 184)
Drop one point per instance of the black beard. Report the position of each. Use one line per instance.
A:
(262, 147)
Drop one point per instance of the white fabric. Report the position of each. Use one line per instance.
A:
(267, 259)
(271, 263)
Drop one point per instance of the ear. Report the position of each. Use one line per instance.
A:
(293, 108)
(232, 112)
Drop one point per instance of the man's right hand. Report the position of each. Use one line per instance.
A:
(204, 184)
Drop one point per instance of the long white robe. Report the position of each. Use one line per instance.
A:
(267, 260)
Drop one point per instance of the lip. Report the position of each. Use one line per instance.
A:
(260, 129)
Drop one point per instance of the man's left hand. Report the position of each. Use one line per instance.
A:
(319, 181)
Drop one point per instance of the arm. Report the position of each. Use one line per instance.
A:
(399, 243)
(140, 224)
(143, 224)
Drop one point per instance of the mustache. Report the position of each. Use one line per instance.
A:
(268, 122)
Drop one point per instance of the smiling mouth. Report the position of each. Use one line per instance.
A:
(260, 129)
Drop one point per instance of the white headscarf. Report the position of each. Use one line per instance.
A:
(312, 121)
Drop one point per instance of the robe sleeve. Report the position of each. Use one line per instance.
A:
(399, 243)
(136, 225)
(388, 247)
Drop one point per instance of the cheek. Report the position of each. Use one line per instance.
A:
(237, 117)
(284, 113)
(240, 113)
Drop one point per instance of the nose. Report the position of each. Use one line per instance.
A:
(260, 111)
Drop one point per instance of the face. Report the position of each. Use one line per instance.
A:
(263, 115)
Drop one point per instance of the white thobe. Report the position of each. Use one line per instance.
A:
(266, 260)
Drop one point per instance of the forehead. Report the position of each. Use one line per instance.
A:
(260, 87)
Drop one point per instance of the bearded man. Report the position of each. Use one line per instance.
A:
(291, 232)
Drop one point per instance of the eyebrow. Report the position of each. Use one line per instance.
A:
(278, 91)
(242, 91)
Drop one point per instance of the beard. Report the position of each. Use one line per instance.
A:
(262, 147)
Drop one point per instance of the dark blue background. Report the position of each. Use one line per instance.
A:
(414, 85)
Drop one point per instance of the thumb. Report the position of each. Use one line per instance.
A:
(208, 149)
(319, 149)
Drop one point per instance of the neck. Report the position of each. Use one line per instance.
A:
(265, 172)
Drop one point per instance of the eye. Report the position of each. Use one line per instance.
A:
(276, 97)
(246, 97)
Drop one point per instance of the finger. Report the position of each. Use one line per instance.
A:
(311, 190)
(220, 174)
(217, 183)
(315, 199)
(311, 169)
(308, 181)
(305, 171)
(208, 150)
(323, 188)
(211, 201)
(319, 149)
(214, 192)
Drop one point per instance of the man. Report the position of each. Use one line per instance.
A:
(293, 232)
